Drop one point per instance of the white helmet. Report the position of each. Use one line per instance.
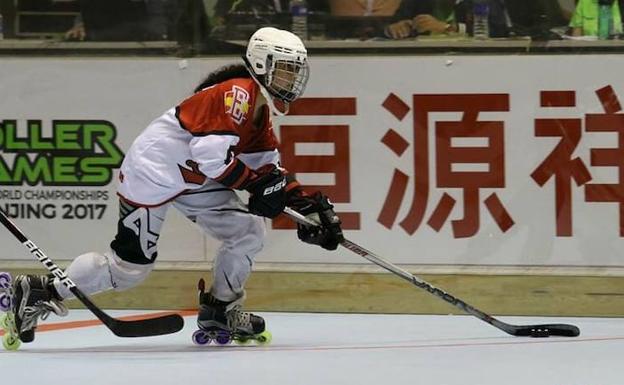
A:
(278, 60)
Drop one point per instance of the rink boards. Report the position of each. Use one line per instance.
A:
(490, 167)
(384, 293)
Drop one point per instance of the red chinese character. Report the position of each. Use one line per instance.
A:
(611, 121)
(337, 163)
(446, 156)
(559, 162)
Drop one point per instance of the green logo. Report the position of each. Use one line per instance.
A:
(79, 153)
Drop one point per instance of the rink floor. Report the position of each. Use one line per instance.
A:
(323, 349)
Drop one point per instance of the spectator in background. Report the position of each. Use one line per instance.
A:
(121, 20)
(224, 7)
(445, 17)
(499, 21)
(360, 19)
(538, 18)
(568, 6)
(585, 18)
(236, 19)
(191, 26)
(364, 7)
(417, 17)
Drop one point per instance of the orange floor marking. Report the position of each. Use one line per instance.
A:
(96, 322)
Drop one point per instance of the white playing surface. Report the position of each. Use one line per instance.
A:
(324, 349)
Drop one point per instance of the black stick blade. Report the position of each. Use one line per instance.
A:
(168, 324)
(156, 326)
(546, 330)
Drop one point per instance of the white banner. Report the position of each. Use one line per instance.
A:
(437, 160)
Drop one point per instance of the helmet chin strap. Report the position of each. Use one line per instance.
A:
(269, 99)
(267, 95)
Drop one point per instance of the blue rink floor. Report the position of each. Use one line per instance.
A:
(323, 349)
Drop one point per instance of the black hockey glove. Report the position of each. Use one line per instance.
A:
(319, 209)
(268, 193)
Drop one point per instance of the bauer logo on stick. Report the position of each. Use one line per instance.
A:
(55, 270)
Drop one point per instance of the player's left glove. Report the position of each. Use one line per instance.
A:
(267, 192)
(319, 209)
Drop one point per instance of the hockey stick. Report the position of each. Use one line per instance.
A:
(545, 330)
(142, 328)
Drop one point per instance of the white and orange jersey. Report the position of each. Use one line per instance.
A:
(209, 135)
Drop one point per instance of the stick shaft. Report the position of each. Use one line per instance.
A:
(558, 329)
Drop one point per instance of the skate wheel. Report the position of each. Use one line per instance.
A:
(242, 341)
(10, 343)
(5, 280)
(201, 338)
(5, 302)
(223, 337)
(4, 322)
(264, 338)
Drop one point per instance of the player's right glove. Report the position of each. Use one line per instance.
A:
(268, 192)
(318, 208)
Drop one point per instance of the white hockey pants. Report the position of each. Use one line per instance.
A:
(217, 210)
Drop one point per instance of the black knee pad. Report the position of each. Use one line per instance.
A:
(127, 246)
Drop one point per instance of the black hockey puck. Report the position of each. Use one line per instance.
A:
(540, 333)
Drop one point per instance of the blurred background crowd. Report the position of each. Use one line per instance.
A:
(231, 20)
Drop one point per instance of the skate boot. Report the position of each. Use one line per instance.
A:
(224, 322)
(34, 297)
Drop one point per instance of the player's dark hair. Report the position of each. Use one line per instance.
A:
(228, 72)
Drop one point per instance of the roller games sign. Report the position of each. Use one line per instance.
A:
(57, 172)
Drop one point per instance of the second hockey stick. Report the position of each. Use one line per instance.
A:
(543, 330)
(141, 328)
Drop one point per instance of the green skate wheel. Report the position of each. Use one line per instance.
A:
(4, 322)
(10, 343)
(242, 341)
(264, 338)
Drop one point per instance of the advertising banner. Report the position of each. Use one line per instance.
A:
(430, 160)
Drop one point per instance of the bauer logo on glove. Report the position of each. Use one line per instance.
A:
(268, 195)
(278, 186)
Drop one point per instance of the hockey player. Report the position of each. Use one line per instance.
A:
(195, 157)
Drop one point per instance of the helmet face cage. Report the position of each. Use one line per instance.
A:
(278, 61)
(286, 78)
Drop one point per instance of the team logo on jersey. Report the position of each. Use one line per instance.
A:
(237, 104)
